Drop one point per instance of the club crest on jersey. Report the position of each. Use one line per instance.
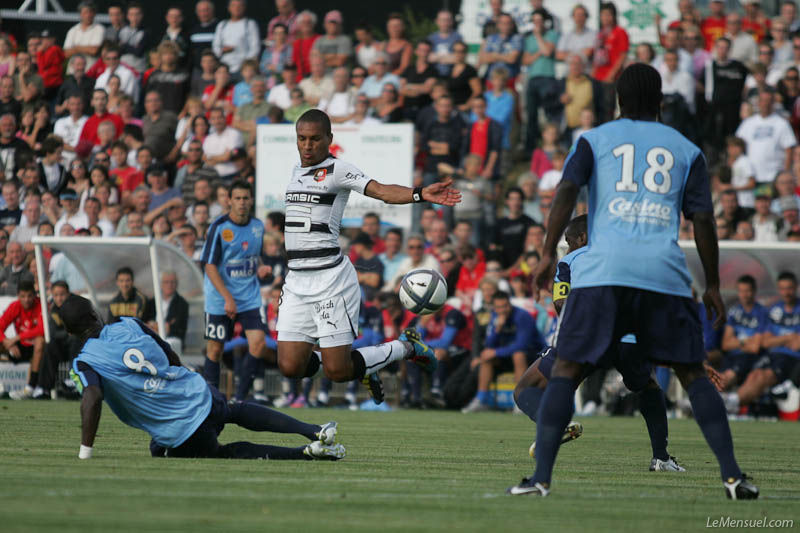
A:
(227, 235)
(320, 174)
(245, 245)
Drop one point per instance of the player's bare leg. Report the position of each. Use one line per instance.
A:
(757, 381)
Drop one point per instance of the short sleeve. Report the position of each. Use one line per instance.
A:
(788, 138)
(697, 193)
(347, 176)
(579, 165)
(212, 250)
(84, 376)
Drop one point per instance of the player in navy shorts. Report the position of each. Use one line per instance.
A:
(641, 175)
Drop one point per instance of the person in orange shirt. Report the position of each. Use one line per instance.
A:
(28, 344)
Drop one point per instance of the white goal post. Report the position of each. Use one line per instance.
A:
(98, 259)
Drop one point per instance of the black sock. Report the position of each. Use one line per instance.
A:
(529, 400)
(439, 376)
(325, 385)
(654, 410)
(256, 417)
(353, 386)
(248, 450)
(313, 366)
(554, 413)
(308, 384)
(414, 376)
(709, 411)
(247, 371)
(211, 372)
(359, 366)
(34, 379)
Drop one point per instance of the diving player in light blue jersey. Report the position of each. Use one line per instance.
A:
(144, 384)
(633, 277)
(232, 263)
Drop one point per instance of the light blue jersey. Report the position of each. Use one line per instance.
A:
(141, 387)
(235, 250)
(640, 175)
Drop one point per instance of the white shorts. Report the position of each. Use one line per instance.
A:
(320, 305)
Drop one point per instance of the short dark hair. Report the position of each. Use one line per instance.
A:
(748, 280)
(51, 143)
(577, 226)
(60, 283)
(242, 185)
(396, 231)
(276, 218)
(124, 270)
(501, 295)
(514, 190)
(639, 91)
(25, 286)
(787, 276)
(315, 116)
(372, 214)
(134, 131)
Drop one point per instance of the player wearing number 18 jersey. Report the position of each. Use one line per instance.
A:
(633, 277)
(321, 296)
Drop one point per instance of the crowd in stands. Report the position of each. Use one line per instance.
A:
(133, 130)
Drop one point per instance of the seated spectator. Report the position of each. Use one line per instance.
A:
(462, 237)
(237, 38)
(485, 139)
(276, 55)
(204, 76)
(304, 42)
(742, 338)
(743, 173)
(50, 63)
(10, 215)
(35, 125)
(417, 258)
(542, 158)
(175, 310)
(392, 256)
(62, 346)
(69, 127)
(85, 37)
(7, 58)
(194, 170)
(470, 275)
(101, 114)
(158, 126)
(280, 95)
(72, 214)
(220, 94)
(9, 104)
(339, 103)
(318, 83)
(389, 107)
(781, 340)
(219, 145)
(334, 47)
(416, 82)
(360, 115)
(783, 187)
(462, 79)
(298, 106)
(28, 226)
(368, 48)
(185, 237)
(140, 200)
(160, 191)
(475, 191)
(551, 178)
(241, 91)
(199, 217)
(511, 230)
(247, 114)
(16, 270)
(369, 268)
(744, 231)
(125, 177)
(28, 344)
(500, 104)
(766, 224)
(373, 85)
(128, 301)
(128, 82)
(732, 212)
(100, 154)
(512, 342)
(371, 226)
(169, 80)
(790, 219)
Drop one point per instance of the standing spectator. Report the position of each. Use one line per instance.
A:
(769, 139)
(11, 147)
(128, 301)
(220, 94)
(676, 81)
(101, 114)
(175, 310)
(398, 49)
(462, 80)
(511, 230)
(16, 270)
(201, 36)
(28, 85)
(246, 115)
(713, 26)
(443, 42)
(76, 83)
(334, 47)
(724, 82)
(11, 214)
(134, 39)
(204, 77)
(7, 58)
(542, 87)
(176, 34)
(276, 55)
(373, 85)
(71, 214)
(781, 43)
(609, 57)
(53, 174)
(28, 344)
(743, 174)
(86, 37)
(318, 83)
(286, 17)
(788, 14)
(303, 42)
(672, 43)
(168, 80)
(367, 48)
(127, 79)
(69, 127)
(755, 22)
(743, 46)
(417, 81)
(340, 102)
(9, 104)
(577, 93)
(50, 62)
(280, 95)
(485, 139)
(393, 256)
(502, 49)
(160, 191)
(766, 224)
(116, 18)
(158, 126)
(693, 44)
(236, 38)
(219, 145)
(194, 170)
(580, 40)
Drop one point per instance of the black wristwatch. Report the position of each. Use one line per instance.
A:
(416, 196)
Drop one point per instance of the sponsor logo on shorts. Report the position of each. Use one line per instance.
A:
(646, 211)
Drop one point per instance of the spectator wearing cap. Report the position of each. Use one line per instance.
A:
(158, 126)
(281, 94)
(789, 215)
(318, 83)
(373, 85)
(219, 145)
(201, 36)
(236, 38)
(71, 213)
(50, 62)
(160, 191)
(304, 42)
(134, 38)
(766, 224)
(334, 47)
(85, 37)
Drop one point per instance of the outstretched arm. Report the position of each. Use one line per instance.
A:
(437, 193)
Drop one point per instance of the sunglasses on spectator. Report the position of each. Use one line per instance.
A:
(415, 247)
(194, 149)
(359, 75)
(447, 259)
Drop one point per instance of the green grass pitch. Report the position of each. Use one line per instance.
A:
(405, 471)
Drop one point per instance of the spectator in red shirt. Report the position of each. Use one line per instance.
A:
(470, 275)
(755, 22)
(101, 114)
(220, 94)
(485, 139)
(124, 176)
(304, 41)
(609, 57)
(713, 26)
(28, 343)
(50, 61)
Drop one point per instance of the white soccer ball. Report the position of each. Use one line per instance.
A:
(423, 291)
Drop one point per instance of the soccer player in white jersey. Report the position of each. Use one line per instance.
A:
(321, 297)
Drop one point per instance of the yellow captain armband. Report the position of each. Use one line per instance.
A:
(560, 290)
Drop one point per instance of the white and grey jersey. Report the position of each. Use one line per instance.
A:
(315, 202)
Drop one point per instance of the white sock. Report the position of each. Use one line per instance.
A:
(731, 401)
(377, 357)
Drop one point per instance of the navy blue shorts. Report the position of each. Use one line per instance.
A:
(780, 363)
(623, 356)
(667, 327)
(740, 362)
(220, 328)
(203, 442)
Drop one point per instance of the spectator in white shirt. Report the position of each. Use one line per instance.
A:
(672, 43)
(360, 112)
(236, 38)
(318, 83)
(86, 37)
(127, 79)
(769, 138)
(743, 175)
(69, 127)
(339, 103)
(676, 81)
(72, 214)
(766, 224)
(743, 46)
(218, 145)
(581, 40)
(551, 178)
(281, 94)
(28, 225)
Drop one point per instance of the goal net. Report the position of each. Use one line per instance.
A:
(96, 261)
